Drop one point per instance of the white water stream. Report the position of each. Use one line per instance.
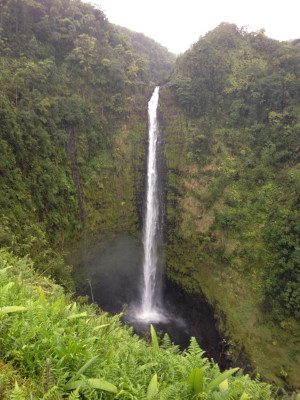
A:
(149, 308)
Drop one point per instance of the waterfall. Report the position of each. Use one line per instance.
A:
(150, 295)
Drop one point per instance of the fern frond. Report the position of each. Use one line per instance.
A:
(166, 342)
(171, 392)
(194, 349)
(88, 391)
(194, 355)
(53, 394)
(48, 378)
(17, 393)
(75, 395)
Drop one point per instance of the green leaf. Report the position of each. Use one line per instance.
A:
(224, 385)
(195, 381)
(219, 379)
(100, 327)
(83, 369)
(148, 365)
(103, 385)
(42, 295)
(12, 309)
(95, 383)
(3, 270)
(244, 396)
(154, 338)
(152, 388)
(81, 315)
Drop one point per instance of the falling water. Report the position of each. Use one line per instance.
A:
(150, 297)
(112, 268)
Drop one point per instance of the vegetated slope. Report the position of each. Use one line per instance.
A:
(73, 113)
(53, 348)
(158, 61)
(233, 189)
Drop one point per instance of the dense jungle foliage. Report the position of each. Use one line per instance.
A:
(244, 90)
(159, 61)
(72, 87)
(233, 187)
(73, 118)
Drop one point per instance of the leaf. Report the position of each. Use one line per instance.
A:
(100, 327)
(244, 396)
(148, 365)
(81, 315)
(224, 385)
(154, 338)
(42, 295)
(74, 395)
(195, 380)
(12, 309)
(48, 379)
(103, 385)
(219, 379)
(95, 383)
(3, 270)
(8, 286)
(152, 388)
(83, 369)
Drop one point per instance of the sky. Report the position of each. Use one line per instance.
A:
(178, 24)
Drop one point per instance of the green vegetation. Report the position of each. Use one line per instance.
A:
(73, 117)
(73, 95)
(233, 196)
(158, 61)
(54, 348)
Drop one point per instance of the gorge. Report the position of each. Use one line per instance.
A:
(73, 143)
(122, 277)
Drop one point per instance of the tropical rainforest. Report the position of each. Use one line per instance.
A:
(73, 131)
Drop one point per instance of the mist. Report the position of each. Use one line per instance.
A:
(111, 273)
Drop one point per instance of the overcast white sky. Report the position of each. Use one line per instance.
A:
(178, 24)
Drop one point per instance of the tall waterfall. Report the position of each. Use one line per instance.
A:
(149, 310)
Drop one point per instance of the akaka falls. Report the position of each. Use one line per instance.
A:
(126, 275)
(152, 222)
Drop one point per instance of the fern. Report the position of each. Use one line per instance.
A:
(17, 393)
(88, 391)
(168, 345)
(48, 378)
(53, 394)
(75, 395)
(69, 354)
(194, 349)
(171, 392)
(223, 395)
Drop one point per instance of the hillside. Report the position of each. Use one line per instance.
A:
(73, 115)
(232, 150)
(158, 59)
